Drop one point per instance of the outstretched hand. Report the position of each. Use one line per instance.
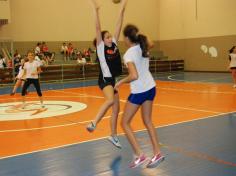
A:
(117, 85)
(123, 3)
(95, 4)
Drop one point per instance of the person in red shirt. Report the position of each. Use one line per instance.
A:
(48, 55)
(70, 50)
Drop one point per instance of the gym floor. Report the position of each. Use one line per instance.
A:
(194, 114)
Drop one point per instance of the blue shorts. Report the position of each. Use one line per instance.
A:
(140, 98)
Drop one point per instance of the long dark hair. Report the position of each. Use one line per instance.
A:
(231, 51)
(22, 66)
(103, 33)
(131, 31)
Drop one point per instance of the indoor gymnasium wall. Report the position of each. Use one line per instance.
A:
(72, 20)
(183, 32)
(5, 10)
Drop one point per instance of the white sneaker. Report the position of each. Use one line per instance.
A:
(91, 127)
(155, 161)
(115, 141)
(138, 161)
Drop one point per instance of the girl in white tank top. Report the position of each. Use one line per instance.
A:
(232, 65)
(20, 78)
(143, 91)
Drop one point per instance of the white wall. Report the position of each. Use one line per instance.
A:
(72, 20)
(215, 18)
(5, 9)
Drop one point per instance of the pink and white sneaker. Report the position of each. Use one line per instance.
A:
(138, 161)
(155, 161)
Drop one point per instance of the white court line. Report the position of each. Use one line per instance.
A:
(196, 91)
(55, 126)
(171, 89)
(200, 81)
(50, 127)
(159, 87)
(121, 134)
(84, 122)
(163, 105)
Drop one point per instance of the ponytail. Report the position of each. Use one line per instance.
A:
(142, 40)
(231, 51)
(131, 32)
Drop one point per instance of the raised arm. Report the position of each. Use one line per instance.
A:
(120, 20)
(97, 20)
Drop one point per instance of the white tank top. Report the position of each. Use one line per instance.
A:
(145, 80)
(233, 60)
(21, 73)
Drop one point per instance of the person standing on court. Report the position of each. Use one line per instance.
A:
(143, 92)
(232, 65)
(110, 68)
(32, 69)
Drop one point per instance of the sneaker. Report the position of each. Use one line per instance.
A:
(42, 106)
(13, 93)
(91, 127)
(115, 141)
(155, 161)
(138, 161)
(234, 86)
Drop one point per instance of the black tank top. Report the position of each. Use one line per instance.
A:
(113, 60)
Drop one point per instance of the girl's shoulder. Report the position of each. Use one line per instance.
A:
(232, 54)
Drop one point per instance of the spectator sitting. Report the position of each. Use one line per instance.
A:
(9, 63)
(17, 61)
(44, 62)
(37, 58)
(17, 54)
(38, 50)
(49, 56)
(64, 51)
(91, 50)
(87, 54)
(2, 62)
(80, 59)
(70, 50)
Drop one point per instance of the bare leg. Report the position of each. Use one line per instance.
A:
(234, 75)
(129, 112)
(147, 120)
(109, 96)
(115, 113)
(18, 83)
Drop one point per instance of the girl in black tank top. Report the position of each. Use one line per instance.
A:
(113, 59)
(110, 67)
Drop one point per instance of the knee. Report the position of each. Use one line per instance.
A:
(110, 102)
(124, 123)
(116, 107)
(147, 122)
